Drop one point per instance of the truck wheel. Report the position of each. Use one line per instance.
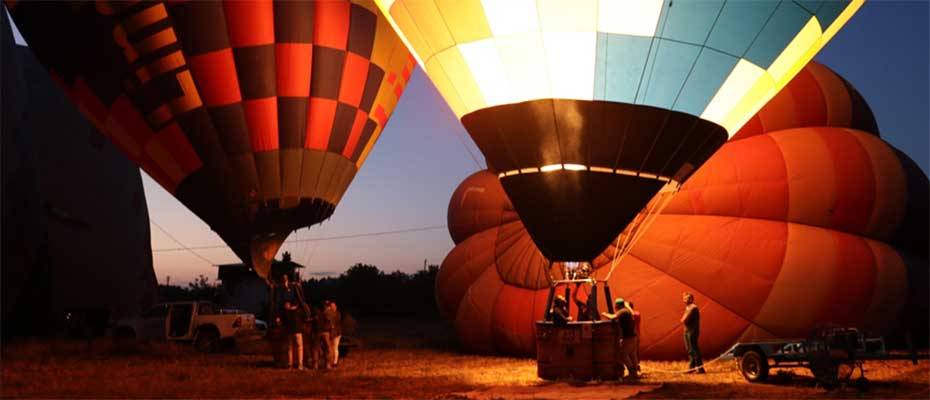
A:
(754, 366)
(207, 340)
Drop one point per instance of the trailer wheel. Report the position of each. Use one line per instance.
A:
(754, 366)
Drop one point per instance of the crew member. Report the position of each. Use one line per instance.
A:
(335, 319)
(292, 325)
(290, 321)
(691, 321)
(559, 311)
(637, 319)
(584, 312)
(627, 336)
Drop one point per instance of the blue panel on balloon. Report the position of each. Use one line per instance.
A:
(688, 21)
(711, 69)
(666, 73)
(784, 25)
(811, 6)
(739, 23)
(829, 11)
(620, 63)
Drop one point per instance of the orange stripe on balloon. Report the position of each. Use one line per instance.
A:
(851, 292)
(513, 325)
(331, 24)
(810, 107)
(812, 185)
(160, 66)
(836, 96)
(320, 122)
(250, 23)
(890, 186)
(752, 128)
(145, 18)
(216, 77)
(354, 76)
(887, 301)
(173, 138)
(762, 179)
(381, 116)
(475, 313)
(126, 123)
(262, 117)
(360, 118)
(853, 171)
(780, 112)
(293, 61)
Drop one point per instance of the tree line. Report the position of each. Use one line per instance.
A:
(363, 290)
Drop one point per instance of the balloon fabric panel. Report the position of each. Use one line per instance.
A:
(255, 115)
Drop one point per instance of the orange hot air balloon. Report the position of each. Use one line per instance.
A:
(784, 228)
(255, 115)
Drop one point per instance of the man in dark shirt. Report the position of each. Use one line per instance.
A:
(691, 320)
(584, 312)
(637, 320)
(559, 312)
(628, 336)
(334, 318)
(289, 319)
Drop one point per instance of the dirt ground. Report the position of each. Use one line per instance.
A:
(395, 360)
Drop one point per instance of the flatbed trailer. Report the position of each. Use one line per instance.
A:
(832, 354)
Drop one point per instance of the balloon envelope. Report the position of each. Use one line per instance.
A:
(587, 108)
(805, 220)
(255, 115)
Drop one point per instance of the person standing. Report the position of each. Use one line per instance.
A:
(559, 311)
(292, 325)
(627, 336)
(691, 321)
(584, 312)
(316, 339)
(637, 319)
(326, 333)
(336, 336)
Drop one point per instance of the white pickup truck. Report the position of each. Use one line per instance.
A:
(201, 322)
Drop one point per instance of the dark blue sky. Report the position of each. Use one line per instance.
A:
(421, 157)
(884, 52)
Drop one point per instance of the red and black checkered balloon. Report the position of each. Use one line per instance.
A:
(254, 114)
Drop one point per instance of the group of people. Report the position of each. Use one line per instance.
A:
(318, 330)
(629, 320)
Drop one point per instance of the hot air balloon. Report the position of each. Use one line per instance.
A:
(255, 115)
(587, 108)
(806, 217)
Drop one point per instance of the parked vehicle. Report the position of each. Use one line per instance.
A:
(200, 322)
(831, 353)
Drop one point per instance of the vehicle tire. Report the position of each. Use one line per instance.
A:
(754, 366)
(207, 340)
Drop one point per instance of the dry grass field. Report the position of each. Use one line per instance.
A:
(396, 360)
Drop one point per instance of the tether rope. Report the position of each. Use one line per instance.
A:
(637, 231)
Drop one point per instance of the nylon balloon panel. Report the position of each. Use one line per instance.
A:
(717, 60)
(256, 115)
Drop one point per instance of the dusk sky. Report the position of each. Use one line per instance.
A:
(423, 154)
